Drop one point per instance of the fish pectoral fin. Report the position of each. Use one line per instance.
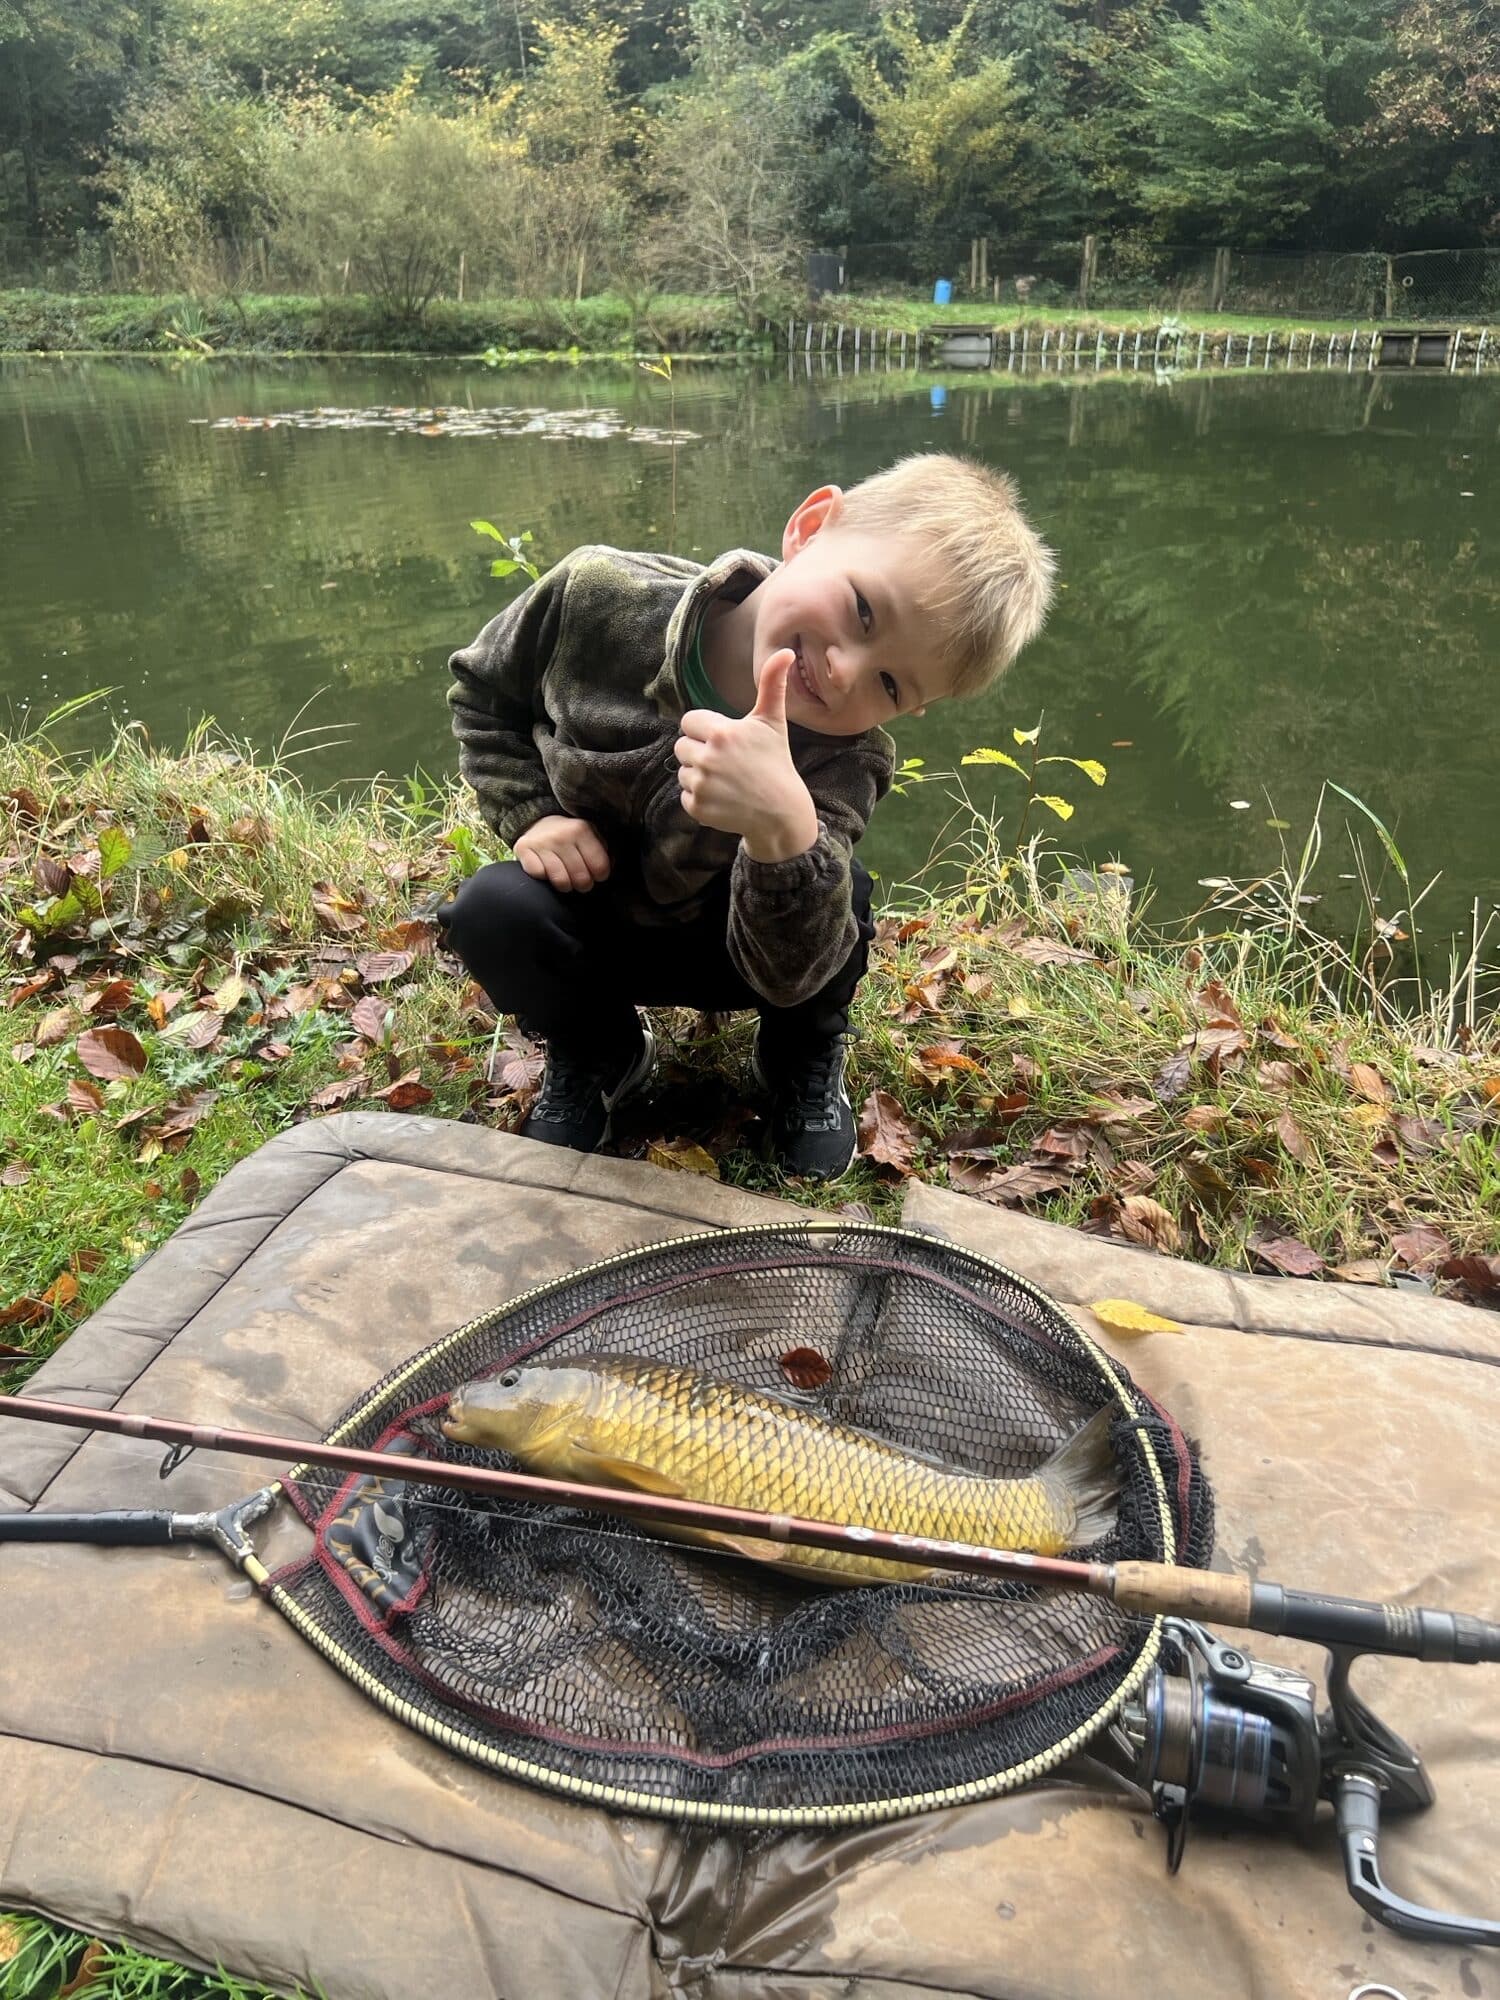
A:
(606, 1471)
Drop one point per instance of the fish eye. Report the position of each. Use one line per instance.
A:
(510, 1378)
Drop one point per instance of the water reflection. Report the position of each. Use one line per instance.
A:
(1272, 577)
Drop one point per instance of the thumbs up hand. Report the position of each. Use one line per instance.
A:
(736, 772)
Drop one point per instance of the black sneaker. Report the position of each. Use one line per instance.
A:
(581, 1091)
(812, 1121)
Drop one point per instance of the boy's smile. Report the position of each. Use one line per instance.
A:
(844, 603)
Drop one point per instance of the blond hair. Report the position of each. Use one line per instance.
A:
(991, 573)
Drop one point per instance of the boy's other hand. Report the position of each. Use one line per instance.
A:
(737, 772)
(568, 853)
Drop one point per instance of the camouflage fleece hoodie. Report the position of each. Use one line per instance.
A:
(569, 702)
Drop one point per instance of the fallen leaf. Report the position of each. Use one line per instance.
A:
(1285, 1253)
(1369, 1083)
(1135, 1176)
(935, 1060)
(1050, 951)
(24, 1312)
(1294, 1139)
(1363, 1271)
(378, 967)
(1172, 1077)
(183, 1117)
(339, 1092)
(15, 1175)
(1421, 1244)
(805, 1368)
(406, 1092)
(227, 996)
(198, 1030)
(110, 1052)
(91, 1971)
(190, 1186)
(1205, 1118)
(886, 1135)
(1009, 1186)
(1480, 1274)
(942, 958)
(160, 1005)
(55, 1027)
(979, 986)
(1368, 1115)
(371, 1017)
(1421, 1135)
(111, 998)
(1277, 1075)
(336, 912)
(250, 831)
(682, 1156)
(1125, 1316)
(418, 935)
(1144, 1220)
(22, 1052)
(84, 1097)
(62, 1291)
(1219, 1011)
(1063, 1142)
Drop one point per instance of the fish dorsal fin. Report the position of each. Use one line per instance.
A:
(607, 1471)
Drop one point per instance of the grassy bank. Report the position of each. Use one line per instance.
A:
(45, 322)
(200, 952)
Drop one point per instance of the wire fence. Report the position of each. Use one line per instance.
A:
(1100, 274)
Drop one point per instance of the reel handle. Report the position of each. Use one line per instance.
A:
(1356, 1803)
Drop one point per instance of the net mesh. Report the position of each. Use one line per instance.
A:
(587, 1654)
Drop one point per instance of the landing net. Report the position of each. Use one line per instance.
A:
(587, 1655)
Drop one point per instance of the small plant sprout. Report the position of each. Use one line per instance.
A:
(517, 559)
(1030, 739)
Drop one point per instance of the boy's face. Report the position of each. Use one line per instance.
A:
(847, 602)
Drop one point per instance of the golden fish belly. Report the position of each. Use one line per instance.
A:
(667, 1430)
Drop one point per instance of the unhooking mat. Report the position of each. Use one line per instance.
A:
(179, 1768)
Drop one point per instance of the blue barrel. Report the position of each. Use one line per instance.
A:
(942, 292)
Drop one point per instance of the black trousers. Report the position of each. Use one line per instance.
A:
(573, 967)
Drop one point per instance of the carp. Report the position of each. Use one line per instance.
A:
(611, 1421)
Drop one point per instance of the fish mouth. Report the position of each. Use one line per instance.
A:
(804, 674)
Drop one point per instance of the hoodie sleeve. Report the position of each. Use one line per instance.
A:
(496, 700)
(792, 923)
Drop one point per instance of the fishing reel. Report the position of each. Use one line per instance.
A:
(1213, 1730)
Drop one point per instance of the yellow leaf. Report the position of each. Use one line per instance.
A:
(683, 1158)
(1368, 1114)
(1059, 806)
(1018, 1007)
(226, 997)
(1125, 1316)
(12, 1938)
(178, 858)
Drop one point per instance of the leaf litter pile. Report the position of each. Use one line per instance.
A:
(197, 954)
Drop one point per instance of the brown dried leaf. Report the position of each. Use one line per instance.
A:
(406, 1093)
(978, 985)
(1367, 1082)
(338, 1092)
(92, 1968)
(56, 1026)
(886, 1135)
(805, 1368)
(1295, 1140)
(1481, 1275)
(183, 1117)
(1135, 1176)
(376, 968)
(190, 1186)
(22, 1052)
(160, 1005)
(1205, 1118)
(198, 1030)
(15, 1175)
(1063, 1142)
(1172, 1077)
(1277, 1075)
(1219, 1011)
(84, 1097)
(51, 876)
(942, 958)
(62, 1291)
(1051, 951)
(682, 1156)
(1421, 1244)
(418, 935)
(110, 1052)
(1286, 1253)
(1009, 1186)
(371, 1017)
(337, 913)
(1144, 1220)
(941, 1057)
(24, 1311)
(1421, 1135)
(249, 831)
(1363, 1271)
(112, 998)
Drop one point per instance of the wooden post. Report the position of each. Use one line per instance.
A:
(1390, 287)
(1086, 270)
(578, 291)
(984, 263)
(1220, 281)
(344, 283)
(973, 264)
(462, 268)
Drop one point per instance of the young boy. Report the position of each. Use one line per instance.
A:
(682, 760)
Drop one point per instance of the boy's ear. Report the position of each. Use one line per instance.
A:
(818, 510)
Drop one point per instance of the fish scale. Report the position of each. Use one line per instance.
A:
(654, 1427)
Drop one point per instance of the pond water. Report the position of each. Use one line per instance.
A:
(1270, 580)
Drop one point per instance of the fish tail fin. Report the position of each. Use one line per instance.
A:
(1083, 1476)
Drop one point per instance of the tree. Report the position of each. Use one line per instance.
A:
(1251, 113)
(395, 193)
(724, 172)
(946, 124)
(575, 132)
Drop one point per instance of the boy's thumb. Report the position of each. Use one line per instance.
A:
(770, 692)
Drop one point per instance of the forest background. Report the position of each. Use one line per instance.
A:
(404, 148)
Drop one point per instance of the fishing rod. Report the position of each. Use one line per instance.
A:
(1159, 1590)
(1209, 1728)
